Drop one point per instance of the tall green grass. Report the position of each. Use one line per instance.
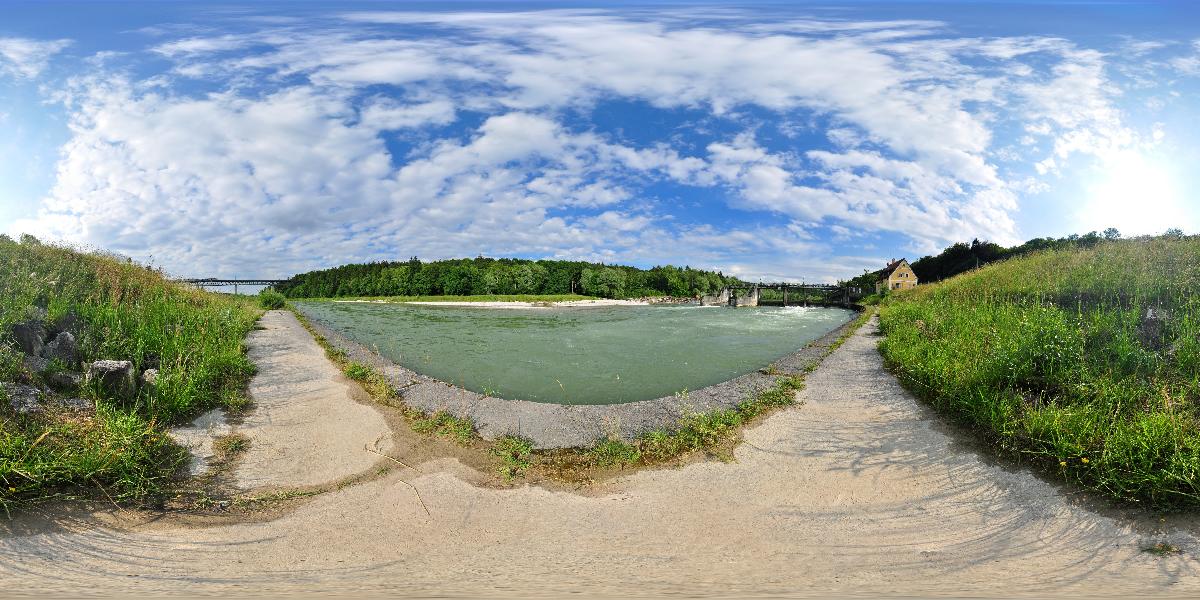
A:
(128, 312)
(1052, 356)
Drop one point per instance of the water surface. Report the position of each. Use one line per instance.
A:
(594, 355)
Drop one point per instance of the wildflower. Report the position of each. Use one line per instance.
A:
(1062, 463)
(1084, 460)
(12, 490)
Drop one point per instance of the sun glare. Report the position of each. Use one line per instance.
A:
(1135, 194)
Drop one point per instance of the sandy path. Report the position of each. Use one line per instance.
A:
(858, 489)
(306, 428)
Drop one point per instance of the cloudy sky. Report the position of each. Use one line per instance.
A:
(775, 141)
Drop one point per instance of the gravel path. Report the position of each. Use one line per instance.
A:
(858, 489)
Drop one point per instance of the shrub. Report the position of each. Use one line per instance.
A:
(270, 299)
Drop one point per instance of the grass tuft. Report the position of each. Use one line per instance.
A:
(513, 453)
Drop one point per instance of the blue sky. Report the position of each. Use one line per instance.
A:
(774, 140)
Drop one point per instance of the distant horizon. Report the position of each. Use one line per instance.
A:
(769, 142)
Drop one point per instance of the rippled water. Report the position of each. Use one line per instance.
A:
(595, 355)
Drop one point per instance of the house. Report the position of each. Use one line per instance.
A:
(898, 275)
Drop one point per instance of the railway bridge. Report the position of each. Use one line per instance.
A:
(206, 282)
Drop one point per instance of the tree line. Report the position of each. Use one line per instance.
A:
(480, 276)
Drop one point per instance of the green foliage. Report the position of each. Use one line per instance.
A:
(126, 312)
(270, 299)
(442, 423)
(613, 453)
(605, 282)
(514, 455)
(504, 276)
(708, 431)
(357, 371)
(1052, 356)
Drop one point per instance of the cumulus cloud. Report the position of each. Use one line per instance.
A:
(26, 58)
(357, 141)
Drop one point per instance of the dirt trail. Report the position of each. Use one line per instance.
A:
(856, 490)
(306, 428)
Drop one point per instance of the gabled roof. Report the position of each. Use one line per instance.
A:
(886, 272)
(893, 265)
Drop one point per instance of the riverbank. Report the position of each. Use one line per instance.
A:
(556, 426)
(857, 490)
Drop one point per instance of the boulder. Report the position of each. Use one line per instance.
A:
(1152, 331)
(23, 399)
(115, 378)
(36, 364)
(30, 336)
(66, 380)
(63, 349)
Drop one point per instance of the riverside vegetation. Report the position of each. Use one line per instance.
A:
(504, 276)
(121, 311)
(1084, 360)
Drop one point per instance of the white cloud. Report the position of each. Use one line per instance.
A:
(26, 58)
(290, 163)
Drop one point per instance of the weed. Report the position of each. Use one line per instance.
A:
(613, 453)
(228, 446)
(1162, 549)
(513, 453)
(442, 423)
(357, 371)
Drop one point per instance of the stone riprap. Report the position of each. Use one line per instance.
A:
(114, 377)
(551, 426)
(63, 349)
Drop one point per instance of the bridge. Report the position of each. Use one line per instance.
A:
(748, 294)
(217, 282)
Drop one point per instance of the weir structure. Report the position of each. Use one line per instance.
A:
(802, 294)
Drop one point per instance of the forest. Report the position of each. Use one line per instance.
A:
(476, 276)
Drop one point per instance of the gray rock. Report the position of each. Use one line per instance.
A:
(36, 364)
(150, 376)
(63, 349)
(114, 377)
(1152, 331)
(77, 404)
(23, 399)
(30, 336)
(66, 380)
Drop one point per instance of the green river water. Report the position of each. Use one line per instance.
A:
(592, 355)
